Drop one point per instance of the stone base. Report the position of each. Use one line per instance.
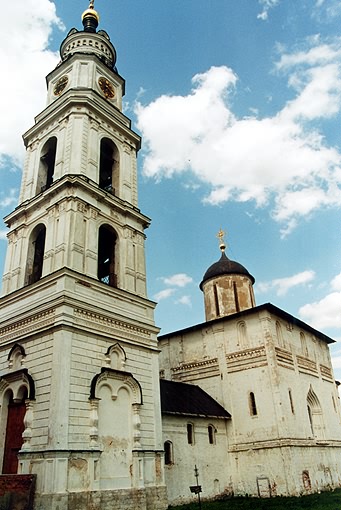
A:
(151, 498)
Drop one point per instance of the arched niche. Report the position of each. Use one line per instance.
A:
(115, 400)
(116, 357)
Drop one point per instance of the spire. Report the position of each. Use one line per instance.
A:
(90, 18)
(221, 236)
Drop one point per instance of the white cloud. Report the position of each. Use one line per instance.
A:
(25, 58)
(9, 199)
(325, 313)
(184, 300)
(281, 161)
(179, 280)
(266, 5)
(164, 294)
(3, 234)
(283, 285)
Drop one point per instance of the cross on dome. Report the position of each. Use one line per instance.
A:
(221, 236)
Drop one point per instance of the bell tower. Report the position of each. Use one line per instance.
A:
(78, 346)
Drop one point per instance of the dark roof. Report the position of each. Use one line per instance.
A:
(225, 266)
(278, 312)
(187, 399)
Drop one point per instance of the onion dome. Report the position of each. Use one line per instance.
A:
(225, 266)
(227, 287)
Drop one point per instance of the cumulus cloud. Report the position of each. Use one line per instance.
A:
(11, 198)
(325, 313)
(178, 280)
(281, 161)
(283, 285)
(184, 300)
(164, 294)
(25, 58)
(3, 234)
(266, 6)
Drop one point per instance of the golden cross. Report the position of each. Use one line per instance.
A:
(221, 235)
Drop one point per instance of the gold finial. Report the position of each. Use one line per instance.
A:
(221, 236)
(90, 11)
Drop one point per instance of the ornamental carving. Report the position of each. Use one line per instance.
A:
(128, 329)
(25, 326)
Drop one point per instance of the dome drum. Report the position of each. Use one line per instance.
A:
(90, 43)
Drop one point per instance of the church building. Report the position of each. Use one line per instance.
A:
(103, 412)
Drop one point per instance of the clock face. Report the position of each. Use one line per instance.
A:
(106, 87)
(60, 85)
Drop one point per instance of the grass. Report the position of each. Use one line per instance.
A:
(323, 501)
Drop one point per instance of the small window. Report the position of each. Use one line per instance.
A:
(211, 434)
(304, 344)
(190, 433)
(252, 404)
(168, 447)
(291, 402)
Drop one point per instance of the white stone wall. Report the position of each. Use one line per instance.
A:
(269, 356)
(212, 460)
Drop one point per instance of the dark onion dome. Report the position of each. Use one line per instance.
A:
(225, 266)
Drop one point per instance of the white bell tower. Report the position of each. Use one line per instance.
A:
(78, 346)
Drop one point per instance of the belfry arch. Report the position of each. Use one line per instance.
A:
(46, 165)
(109, 166)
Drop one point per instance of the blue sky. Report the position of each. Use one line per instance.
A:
(238, 104)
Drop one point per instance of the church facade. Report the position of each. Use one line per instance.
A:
(273, 375)
(247, 396)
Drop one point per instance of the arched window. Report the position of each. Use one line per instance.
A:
(106, 255)
(190, 433)
(252, 404)
(211, 434)
(315, 414)
(168, 447)
(304, 344)
(47, 165)
(242, 334)
(108, 166)
(35, 256)
(279, 334)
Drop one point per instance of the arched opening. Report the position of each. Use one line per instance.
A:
(168, 446)
(304, 346)
(315, 414)
(47, 165)
(190, 433)
(211, 434)
(35, 257)
(108, 166)
(242, 334)
(106, 255)
(252, 404)
(16, 409)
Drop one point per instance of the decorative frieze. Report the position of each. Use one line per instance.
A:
(248, 358)
(196, 370)
(130, 330)
(32, 323)
(306, 365)
(284, 358)
(326, 372)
